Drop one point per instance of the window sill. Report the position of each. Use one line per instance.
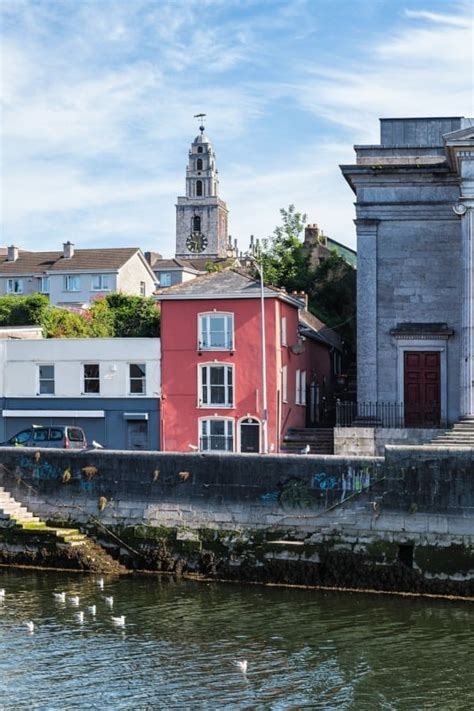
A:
(220, 406)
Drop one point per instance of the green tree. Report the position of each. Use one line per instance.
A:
(23, 310)
(134, 316)
(285, 261)
(61, 323)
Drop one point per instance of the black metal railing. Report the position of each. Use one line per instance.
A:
(386, 414)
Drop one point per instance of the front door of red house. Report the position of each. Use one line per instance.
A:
(422, 389)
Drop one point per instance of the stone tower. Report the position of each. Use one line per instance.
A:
(201, 216)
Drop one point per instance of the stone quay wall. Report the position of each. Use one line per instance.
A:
(405, 522)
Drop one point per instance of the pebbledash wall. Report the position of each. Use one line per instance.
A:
(403, 522)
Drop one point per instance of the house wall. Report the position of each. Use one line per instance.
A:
(105, 416)
(131, 274)
(58, 295)
(181, 359)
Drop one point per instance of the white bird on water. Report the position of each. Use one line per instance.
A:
(241, 665)
(80, 617)
(109, 600)
(119, 621)
(60, 597)
(74, 600)
(92, 609)
(100, 583)
(2, 593)
(30, 626)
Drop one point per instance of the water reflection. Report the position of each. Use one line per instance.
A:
(304, 649)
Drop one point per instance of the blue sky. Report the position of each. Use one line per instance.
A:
(98, 99)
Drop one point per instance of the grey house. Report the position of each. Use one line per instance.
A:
(415, 270)
(74, 277)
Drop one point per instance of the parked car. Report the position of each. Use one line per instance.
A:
(62, 437)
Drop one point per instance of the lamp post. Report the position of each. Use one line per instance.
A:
(259, 267)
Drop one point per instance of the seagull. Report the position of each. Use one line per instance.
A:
(92, 609)
(96, 445)
(74, 600)
(2, 593)
(109, 600)
(80, 617)
(193, 447)
(60, 597)
(241, 665)
(119, 621)
(30, 627)
(100, 583)
(306, 450)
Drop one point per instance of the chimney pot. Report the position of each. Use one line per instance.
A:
(68, 250)
(12, 255)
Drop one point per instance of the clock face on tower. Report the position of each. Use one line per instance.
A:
(196, 242)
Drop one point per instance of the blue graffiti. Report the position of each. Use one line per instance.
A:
(41, 470)
(269, 498)
(324, 481)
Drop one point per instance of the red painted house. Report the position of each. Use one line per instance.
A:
(212, 363)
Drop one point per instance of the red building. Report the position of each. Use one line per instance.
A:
(212, 364)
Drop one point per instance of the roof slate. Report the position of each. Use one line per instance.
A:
(82, 260)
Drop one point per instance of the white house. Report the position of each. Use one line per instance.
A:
(108, 386)
(74, 277)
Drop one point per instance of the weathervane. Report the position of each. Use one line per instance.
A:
(201, 121)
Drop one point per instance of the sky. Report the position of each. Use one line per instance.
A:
(98, 99)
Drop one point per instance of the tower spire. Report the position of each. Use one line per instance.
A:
(201, 118)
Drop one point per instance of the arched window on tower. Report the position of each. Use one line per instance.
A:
(196, 223)
(199, 188)
(199, 164)
(199, 149)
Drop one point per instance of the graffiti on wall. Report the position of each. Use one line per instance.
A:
(353, 480)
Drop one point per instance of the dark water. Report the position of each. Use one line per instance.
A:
(305, 649)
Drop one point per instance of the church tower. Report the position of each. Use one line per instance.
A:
(201, 216)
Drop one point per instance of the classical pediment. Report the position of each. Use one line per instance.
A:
(458, 145)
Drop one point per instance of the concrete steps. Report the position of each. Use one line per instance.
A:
(15, 514)
(461, 434)
(319, 439)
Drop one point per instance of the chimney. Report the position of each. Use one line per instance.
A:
(302, 297)
(68, 250)
(311, 235)
(12, 255)
(152, 257)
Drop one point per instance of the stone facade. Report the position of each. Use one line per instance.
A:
(414, 202)
(201, 216)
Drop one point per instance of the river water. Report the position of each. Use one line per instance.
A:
(305, 649)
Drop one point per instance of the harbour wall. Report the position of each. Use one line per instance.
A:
(403, 522)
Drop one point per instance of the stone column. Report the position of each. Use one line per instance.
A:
(465, 208)
(367, 359)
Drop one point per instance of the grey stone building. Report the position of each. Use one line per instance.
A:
(415, 269)
(201, 215)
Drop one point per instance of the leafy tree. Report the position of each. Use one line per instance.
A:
(331, 286)
(61, 323)
(134, 315)
(23, 310)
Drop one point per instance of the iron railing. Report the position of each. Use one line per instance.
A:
(386, 414)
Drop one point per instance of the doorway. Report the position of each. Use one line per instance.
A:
(422, 388)
(137, 434)
(249, 435)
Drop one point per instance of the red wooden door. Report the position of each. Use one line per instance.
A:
(422, 389)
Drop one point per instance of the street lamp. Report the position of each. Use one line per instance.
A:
(259, 266)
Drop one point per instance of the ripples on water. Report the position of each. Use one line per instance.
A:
(305, 649)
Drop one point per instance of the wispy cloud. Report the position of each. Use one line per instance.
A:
(98, 98)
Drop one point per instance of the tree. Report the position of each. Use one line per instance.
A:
(134, 316)
(285, 262)
(23, 310)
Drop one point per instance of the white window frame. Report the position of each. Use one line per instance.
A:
(142, 380)
(11, 286)
(74, 279)
(229, 426)
(103, 282)
(284, 383)
(45, 280)
(42, 380)
(204, 330)
(83, 389)
(284, 341)
(165, 279)
(298, 387)
(142, 288)
(206, 367)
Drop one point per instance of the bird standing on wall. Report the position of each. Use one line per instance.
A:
(306, 449)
